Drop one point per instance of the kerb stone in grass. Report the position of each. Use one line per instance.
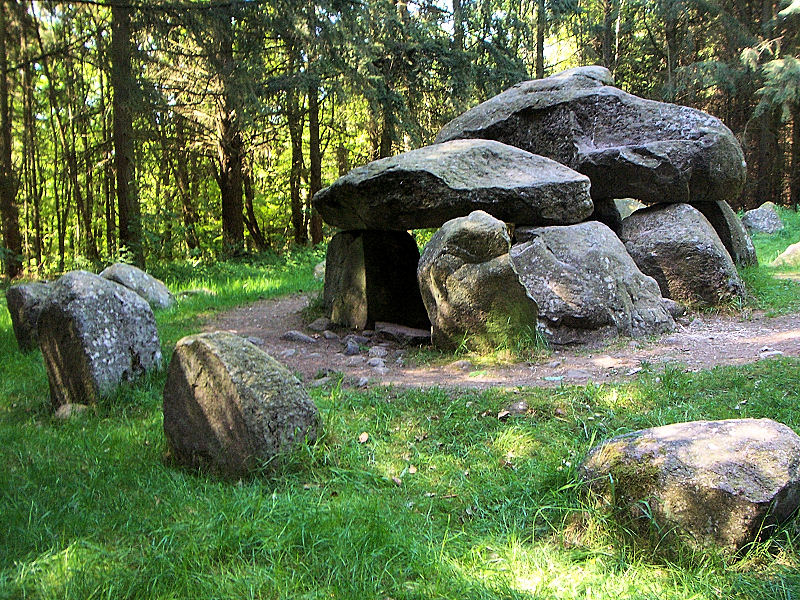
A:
(25, 302)
(95, 334)
(232, 408)
(721, 483)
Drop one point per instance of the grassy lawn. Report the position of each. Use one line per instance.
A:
(484, 508)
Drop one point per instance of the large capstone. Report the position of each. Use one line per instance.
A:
(586, 285)
(628, 146)
(764, 219)
(473, 296)
(426, 187)
(721, 483)
(232, 408)
(25, 303)
(147, 286)
(95, 334)
(677, 246)
(731, 232)
(371, 276)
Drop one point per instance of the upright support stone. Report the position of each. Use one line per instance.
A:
(372, 276)
(731, 231)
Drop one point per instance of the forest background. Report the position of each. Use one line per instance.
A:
(150, 131)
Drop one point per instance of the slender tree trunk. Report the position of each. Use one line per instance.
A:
(181, 170)
(541, 27)
(295, 118)
(458, 26)
(122, 82)
(315, 161)
(8, 179)
(794, 175)
(342, 159)
(32, 153)
(250, 220)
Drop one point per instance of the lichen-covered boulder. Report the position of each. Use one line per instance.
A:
(372, 276)
(586, 285)
(426, 187)
(732, 233)
(764, 219)
(94, 334)
(720, 483)
(469, 287)
(677, 246)
(232, 408)
(628, 146)
(789, 257)
(25, 303)
(147, 286)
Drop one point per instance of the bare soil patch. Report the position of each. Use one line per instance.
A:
(701, 341)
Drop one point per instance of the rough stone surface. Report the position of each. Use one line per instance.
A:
(716, 481)
(298, 336)
(789, 257)
(469, 287)
(628, 146)
(426, 187)
(731, 231)
(677, 246)
(231, 407)
(371, 276)
(764, 219)
(407, 336)
(94, 334)
(25, 303)
(586, 285)
(320, 324)
(607, 213)
(147, 286)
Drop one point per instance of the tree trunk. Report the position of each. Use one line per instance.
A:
(295, 119)
(315, 161)
(458, 26)
(794, 174)
(250, 220)
(122, 82)
(8, 179)
(541, 26)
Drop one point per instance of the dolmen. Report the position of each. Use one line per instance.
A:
(546, 161)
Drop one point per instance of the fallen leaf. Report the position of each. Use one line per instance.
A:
(412, 469)
(363, 437)
(397, 481)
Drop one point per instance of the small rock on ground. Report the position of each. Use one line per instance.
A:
(298, 336)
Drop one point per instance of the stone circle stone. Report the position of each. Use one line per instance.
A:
(232, 408)
(764, 219)
(25, 303)
(586, 285)
(718, 483)
(147, 286)
(426, 187)
(94, 334)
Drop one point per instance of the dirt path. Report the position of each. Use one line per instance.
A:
(700, 342)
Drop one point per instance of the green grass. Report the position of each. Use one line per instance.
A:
(90, 509)
(775, 289)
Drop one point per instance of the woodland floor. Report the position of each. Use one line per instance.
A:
(700, 341)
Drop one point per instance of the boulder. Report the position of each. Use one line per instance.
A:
(628, 146)
(471, 292)
(764, 219)
(731, 232)
(607, 213)
(586, 285)
(371, 276)
(789, 257)
(25, 303)
(720, 483)
(232, 408)
(147, 286)
(94, 334)
(677, 246)
(426, 187)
